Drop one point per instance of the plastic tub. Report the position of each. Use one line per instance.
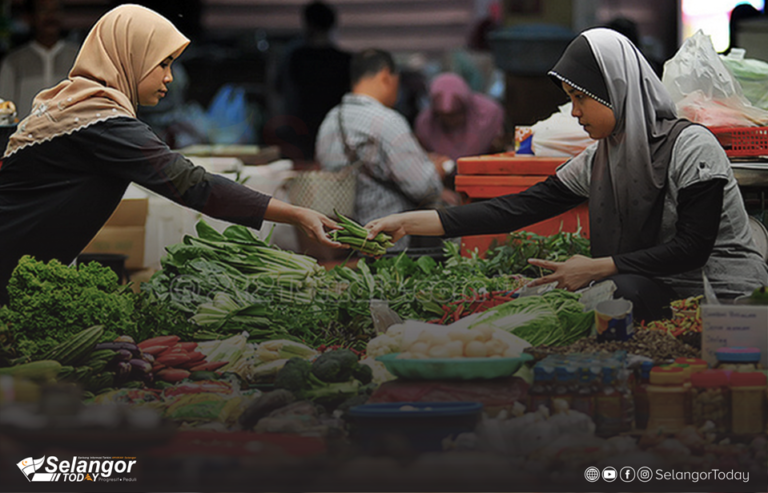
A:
(453, 368)
(418, 426)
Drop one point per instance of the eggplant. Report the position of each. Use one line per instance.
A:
(117, 346)
(125, 338)
(124, 355)
(139, 367)
(123, 371)
(148, 358)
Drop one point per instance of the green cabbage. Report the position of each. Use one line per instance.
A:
(555, 318)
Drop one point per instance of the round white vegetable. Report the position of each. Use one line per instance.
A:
(475, 349)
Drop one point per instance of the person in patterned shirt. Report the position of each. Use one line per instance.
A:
(395, 173)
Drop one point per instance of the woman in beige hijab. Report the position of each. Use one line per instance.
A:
(69, 163)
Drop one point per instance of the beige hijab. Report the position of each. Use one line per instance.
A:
(123, 47)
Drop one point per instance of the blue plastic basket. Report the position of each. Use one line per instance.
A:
(420, 426)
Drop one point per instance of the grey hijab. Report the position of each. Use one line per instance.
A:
(627, 185)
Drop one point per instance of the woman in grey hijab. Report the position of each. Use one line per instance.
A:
(664, 206)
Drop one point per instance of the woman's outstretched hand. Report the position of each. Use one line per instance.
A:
(575, 273)
(392, 225)
(315, 224)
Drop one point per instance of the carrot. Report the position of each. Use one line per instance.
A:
(195, 359)
(176, 348)
(172, 375)
(154, 350)
(159, 341)
(212, 366)
(173, 359)
(188, 346)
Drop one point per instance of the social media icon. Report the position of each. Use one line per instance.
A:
(592, 474)
(609, 474)
(627, 474)
(644, 474)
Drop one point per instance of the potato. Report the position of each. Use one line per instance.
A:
(455, 348)
(495, 347)
(438, 352)
(440, 339)
(475, 349)
(511, 353)
(426, 337)
(419, 347)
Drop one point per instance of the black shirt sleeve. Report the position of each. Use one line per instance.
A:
(698, 221)
(128, 149)
(510, 212)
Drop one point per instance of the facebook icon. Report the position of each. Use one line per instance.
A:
(627, 474)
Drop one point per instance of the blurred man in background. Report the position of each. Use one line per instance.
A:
(41, 63)
(312, 78)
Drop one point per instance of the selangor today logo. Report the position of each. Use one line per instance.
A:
(79, 469)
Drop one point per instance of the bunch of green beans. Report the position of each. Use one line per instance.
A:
(356, 237)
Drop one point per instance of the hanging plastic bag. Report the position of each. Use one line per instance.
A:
(752, 75)
(229, 117)
(705, 91)
(560, 135)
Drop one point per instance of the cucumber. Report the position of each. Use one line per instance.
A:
(203, 375)
(77, 347)
(44, 371)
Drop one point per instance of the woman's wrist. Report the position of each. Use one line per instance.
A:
(605, 267)
(282, 212)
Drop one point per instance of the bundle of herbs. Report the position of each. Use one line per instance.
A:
(356, 237)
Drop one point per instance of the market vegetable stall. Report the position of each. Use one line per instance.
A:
(240, 350)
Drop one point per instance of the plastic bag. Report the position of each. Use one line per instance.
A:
(704, 90)
(229, 117)
(560, 135)
(752, 76)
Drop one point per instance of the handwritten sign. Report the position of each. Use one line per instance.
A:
(733, 325)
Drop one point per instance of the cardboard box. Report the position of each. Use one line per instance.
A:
(734, 325)
(130, 212)
(127, 240)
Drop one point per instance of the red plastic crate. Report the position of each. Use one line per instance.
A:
(493, 175)
(742, 141)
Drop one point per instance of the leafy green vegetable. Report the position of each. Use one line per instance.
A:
(555, 318)
(52, 302)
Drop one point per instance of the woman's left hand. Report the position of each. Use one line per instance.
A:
(314, 223)
(574, 273)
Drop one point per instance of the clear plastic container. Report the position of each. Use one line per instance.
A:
(641, 395)
(667, 395)
(695, 364)
(541, 390)
(738, 359)
(584, 399)
(608, 404)
(711, 399)
(748, 391)
(564, 387)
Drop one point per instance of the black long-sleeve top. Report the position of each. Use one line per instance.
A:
(698, 220)
(56, 195)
